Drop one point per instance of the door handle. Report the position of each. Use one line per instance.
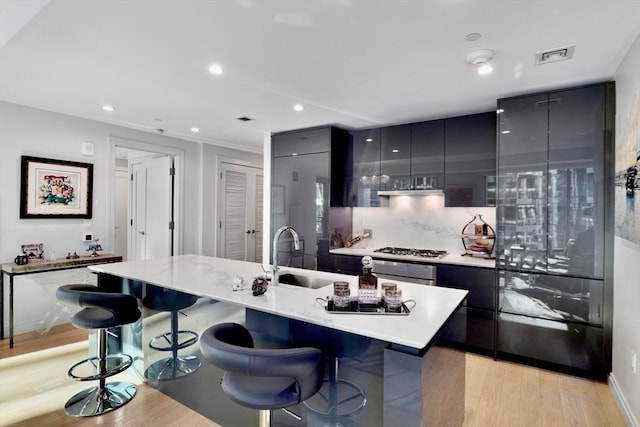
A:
(248, 232)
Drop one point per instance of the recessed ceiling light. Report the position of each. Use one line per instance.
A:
(294, 154)
(500, 110)
(369, 139)
(505, 132)
(480, 60)
(395, 150)
(298, 107)
(195, 130)
(109, 108)
(215, 69)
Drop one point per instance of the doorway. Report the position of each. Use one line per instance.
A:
(240, 212)
(146, 183)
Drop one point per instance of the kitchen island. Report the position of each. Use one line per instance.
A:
(423, 383)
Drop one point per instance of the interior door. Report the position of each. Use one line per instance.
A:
(241, 201)
(151, 208)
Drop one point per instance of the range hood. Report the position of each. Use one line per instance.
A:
(409, 192)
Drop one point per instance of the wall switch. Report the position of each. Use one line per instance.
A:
(634, 361)
(87, 237)
(368, 233)
(87, 223)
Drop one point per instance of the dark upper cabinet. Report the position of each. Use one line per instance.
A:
(470, 160)
(395, 158)
(299, 142)
(366, 168)
(427, 155)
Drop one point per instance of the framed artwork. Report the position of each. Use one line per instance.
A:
(55, 188)
(277, 199)
(33, 250)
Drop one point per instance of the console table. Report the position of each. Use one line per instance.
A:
(12, 269)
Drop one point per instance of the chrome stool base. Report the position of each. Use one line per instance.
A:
(334, 395)
(97, 401)
(170, 368)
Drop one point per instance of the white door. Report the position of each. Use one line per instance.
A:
(241, 200)
(151, 208)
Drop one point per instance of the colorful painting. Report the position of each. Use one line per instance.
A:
(55, 188)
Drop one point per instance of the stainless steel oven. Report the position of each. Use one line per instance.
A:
(423, 274)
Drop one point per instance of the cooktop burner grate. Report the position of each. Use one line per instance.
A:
(424, 253)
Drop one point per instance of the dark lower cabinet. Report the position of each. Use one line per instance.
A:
(568, 347)
(477, 331)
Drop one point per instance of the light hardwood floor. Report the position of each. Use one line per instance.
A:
(497, 393)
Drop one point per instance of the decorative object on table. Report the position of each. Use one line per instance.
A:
(21, 259)
(95, 247)
(72, 255)
(34, 251)
(55, 188)
(478, 238)
(367, 283)
(259, 286)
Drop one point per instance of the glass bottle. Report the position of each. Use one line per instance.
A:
(367, 283)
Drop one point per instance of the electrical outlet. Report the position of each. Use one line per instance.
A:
(634, 360)
(369, 232)
(87, 237)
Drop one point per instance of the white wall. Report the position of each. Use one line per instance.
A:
(626, 299)
(32, 132)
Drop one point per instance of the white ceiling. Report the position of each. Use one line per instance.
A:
(353, 63)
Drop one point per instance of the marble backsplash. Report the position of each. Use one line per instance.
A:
(417, 222)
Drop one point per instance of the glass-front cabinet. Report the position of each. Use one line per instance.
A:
(395, 158)
(366, 168)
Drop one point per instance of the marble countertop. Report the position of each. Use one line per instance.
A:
(213, 278)
(451, 258)
(35, 266)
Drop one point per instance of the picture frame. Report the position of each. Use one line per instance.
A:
(51, 188)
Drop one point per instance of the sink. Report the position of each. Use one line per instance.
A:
(303, 281)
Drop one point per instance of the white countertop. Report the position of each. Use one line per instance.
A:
(455, 259)
(213, 278)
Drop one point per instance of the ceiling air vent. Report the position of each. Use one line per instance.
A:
(244, 119)
(554, 55)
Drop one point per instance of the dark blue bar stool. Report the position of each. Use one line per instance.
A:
(101, 310)
(262, 379)
(161, 299)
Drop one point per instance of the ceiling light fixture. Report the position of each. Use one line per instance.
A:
(298, 107)
(480, 60)
(108, 108)
(215, 69)
(195, 130)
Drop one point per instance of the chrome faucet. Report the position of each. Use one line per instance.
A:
(274, 274)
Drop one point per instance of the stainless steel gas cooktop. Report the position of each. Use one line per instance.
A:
(423, 253)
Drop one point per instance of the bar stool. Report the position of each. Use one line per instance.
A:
(337, 397)
(169, 368)
(262, 379)
(101, 310)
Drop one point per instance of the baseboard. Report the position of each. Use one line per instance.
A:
(629, 419)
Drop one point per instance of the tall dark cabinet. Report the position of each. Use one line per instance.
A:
(554, 228)
(308, 170)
